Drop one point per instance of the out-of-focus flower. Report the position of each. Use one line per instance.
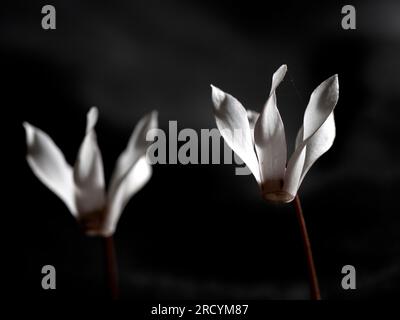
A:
(259, 139)
(82, 186)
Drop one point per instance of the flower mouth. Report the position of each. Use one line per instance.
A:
(278, 196)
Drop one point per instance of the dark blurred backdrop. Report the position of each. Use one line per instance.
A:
(199, 231)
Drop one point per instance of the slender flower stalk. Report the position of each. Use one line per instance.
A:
(312, 273)
(259, 140)
(111, 267)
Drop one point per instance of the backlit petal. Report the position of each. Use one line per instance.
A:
(270, 142)
(48, 164)
(318, 133)
(233, 124)
(88, 171)
(127, 169)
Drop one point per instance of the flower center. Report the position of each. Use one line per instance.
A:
(272, 192)
(278, 196)
(92, 222)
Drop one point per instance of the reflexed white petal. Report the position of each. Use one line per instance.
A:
(270, 142)
(48, 164)
(135, 150)
(322, 102)
(234, 126)
(277, 78)
(88, 170)
(91, 119)
(317, 134)
(319, 143)
(138, 175)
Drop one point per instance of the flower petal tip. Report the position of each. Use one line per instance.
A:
(217, 96)
(333, 81)
(336, 76)
(154, 115)
(93, 113)
(278, 76)
(26, 125)
(91, 118)
(282, 68)
(152, 119)
(29, 132)
(214, 89)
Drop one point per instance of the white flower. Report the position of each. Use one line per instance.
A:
(82, 187)
(261, 143)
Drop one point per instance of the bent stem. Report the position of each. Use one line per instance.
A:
(314, 287)
(111, 267)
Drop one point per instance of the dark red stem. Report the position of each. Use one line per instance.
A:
(111, 267)
(314, 287)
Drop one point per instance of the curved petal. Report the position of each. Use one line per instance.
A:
(319, 143)
(88, 171)
(48, 164)
(270, 141)
(317, 134)
(322, 102)
(124, 170)
(234, 126)
(139, 174)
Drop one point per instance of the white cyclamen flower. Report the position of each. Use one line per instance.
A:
(82, 187)
(261, 142)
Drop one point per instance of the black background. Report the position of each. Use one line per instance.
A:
(200, 231)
